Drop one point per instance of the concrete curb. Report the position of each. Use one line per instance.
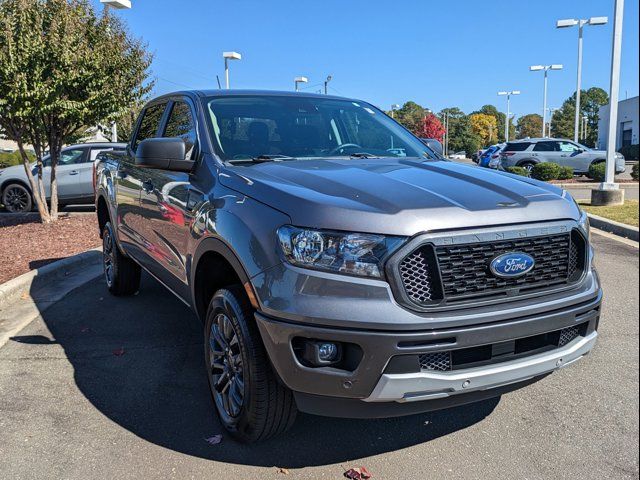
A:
(54, 271)
(585, 186)
(617, 228)
(28, 296)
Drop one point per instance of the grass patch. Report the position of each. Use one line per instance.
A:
(627, 213)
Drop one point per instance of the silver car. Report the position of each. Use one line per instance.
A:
(567, 153)
(74, 174)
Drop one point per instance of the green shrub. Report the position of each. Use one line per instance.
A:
(630, 152)
(13, 158)
(598, 171)
(546, 171)
(566, 173)
(518, 171)
(635, 174)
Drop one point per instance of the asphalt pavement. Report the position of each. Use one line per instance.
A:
(104, 387)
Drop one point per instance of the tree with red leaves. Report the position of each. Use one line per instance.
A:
(431, 127)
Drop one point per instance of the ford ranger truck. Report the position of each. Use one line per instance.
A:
(340, 266)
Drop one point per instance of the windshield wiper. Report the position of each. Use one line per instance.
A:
(262, 159)
(363, 155)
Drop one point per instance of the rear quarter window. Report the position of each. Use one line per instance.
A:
(517, 147)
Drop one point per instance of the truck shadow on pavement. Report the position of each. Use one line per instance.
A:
(139, 361)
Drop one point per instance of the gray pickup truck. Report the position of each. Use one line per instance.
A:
(339, 266)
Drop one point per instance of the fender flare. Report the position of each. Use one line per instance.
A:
(216, 245)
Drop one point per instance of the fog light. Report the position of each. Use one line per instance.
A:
(318, 353)
(327, 352)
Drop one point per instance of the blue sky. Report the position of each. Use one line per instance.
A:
(438, 53)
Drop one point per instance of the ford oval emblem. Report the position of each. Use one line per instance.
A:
(513, 264)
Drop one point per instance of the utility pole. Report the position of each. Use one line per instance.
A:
(507, 119)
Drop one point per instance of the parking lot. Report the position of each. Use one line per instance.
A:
(103, 387)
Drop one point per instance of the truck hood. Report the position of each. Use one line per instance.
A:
(397, 196)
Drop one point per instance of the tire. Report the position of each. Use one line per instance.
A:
(16, 198)
(251, 403)
(121, 274)
(528, 166)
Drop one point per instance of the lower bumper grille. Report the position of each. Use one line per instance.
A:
(500, 352)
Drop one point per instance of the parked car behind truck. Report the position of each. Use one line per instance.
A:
(566, 153)
(333, 276)
(74, 175)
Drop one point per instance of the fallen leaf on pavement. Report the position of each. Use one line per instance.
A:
(283, 471)
(119, 352)
(358, 473)
(215, 440)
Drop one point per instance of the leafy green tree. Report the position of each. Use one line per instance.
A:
(529, 125)
(62, 68)
(563, 120)
(461, 135)
(412, 116)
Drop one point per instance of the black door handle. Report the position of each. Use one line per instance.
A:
(147, 186)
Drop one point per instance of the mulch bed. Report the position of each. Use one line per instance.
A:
(26, 244)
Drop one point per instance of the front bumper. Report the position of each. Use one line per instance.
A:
(413, 387)
(373, 386)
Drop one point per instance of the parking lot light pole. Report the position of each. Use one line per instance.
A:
(394, 107)
(326, 84)
(572, 22)
(506, 120)
(119, 5)
(229, 56)
(546, 68)
(612, 134)
(299, 80)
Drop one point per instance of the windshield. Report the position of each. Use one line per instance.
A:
(270, 127)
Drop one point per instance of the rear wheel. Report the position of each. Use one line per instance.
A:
(251, 403)
(121, 273)
(528, 166)
(16, 198)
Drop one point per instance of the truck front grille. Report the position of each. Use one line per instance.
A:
(452, 273)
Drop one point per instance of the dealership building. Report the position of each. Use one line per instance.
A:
(628, 133)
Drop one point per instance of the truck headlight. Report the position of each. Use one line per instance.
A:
(361, 254)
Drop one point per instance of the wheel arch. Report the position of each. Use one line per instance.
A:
(528, 160)
(12, 181)
(215, 266)
(102, 211)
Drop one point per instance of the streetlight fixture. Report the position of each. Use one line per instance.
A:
(507, 118)
(326, 84)
(118, 5)
(394, 107)
(572, 22)
(299, 80)
(229, 56)
(546, 68)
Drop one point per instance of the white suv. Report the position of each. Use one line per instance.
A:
(531, 151)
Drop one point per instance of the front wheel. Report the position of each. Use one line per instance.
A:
(121, 274)
(17, 199)
(251, 403)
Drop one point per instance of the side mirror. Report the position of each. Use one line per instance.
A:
(433, 144)
(163, 154)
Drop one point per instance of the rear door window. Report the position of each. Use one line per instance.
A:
(545, 147)
(150, 123)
